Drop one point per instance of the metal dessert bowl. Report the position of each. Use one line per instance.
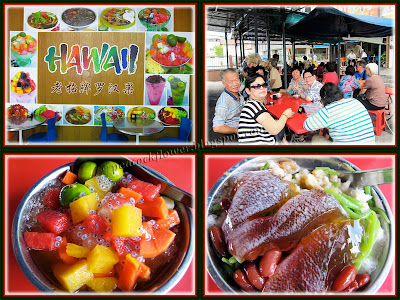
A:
(383, 253)
(41, 276)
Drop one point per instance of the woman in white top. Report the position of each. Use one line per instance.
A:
(274, 77)
(256, 125)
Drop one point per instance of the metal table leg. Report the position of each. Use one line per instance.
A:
(20, 137)
(137, 139)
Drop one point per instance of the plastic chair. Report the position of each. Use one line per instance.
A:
(110, 137)
(379, 123)
(46, 137)
(184, 132)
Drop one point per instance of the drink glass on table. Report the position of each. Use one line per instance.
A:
(155, 87)
(178, 88)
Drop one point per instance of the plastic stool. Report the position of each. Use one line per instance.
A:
(380, 123)
(389, 92)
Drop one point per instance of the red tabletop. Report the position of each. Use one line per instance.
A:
(217, 165)
(23, 171)
(287, 101)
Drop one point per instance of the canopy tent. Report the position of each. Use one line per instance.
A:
(327, 21)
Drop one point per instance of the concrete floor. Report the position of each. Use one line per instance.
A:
(214, 90)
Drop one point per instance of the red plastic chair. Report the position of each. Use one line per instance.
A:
(379, 123)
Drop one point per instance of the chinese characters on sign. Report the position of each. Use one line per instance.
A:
(85, 87)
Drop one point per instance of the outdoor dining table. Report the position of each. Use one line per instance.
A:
(287, 101)
(19, 123)
(138, 126)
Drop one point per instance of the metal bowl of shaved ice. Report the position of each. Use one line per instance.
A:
(41, 276)
(379, 263)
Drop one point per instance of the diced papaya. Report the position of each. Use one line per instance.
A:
(144, 271)
(156, 208)
(62, 252)
(82, 207)
(109, 274)
(72, 277)
(41, 240)
(170, 221)
(128, 193)
(102, 284)
(77, 251)
(157, 244)
(101, 259)
(69, 178)
(126, 221)
(129, 274)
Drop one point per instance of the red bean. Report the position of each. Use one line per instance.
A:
(345, 277)
(218, 240)
(254, 276)
(351, 288)
(269, 261)
(241, 279)
(225, 203)
(362, 279)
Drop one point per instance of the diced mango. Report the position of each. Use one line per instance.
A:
(72, 277)
(100, 185)
(126, 220)
(82, 207)
(77, 251)
(101, 259)
(103, 284)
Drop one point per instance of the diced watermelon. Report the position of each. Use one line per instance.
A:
(80, 235)
(95, 223)
(53, 220)
(52, 198)
(147, 190)
(42, 240)
(123, 245)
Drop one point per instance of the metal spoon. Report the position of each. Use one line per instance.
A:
(141, 172)
(368, 177)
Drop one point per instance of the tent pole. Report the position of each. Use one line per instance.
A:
(256, 31)
(268, 40)
(227, 54)
(379, 58)
(240, 46)
(236, 56)
(284, 49)
(293, 51)
(339, 58)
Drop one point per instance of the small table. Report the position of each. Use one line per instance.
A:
(16, 123)
(287, 101)
(139, 126)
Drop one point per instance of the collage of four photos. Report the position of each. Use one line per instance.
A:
(199, 150)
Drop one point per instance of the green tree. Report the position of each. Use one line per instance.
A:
(219, 51)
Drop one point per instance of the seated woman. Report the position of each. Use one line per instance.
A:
(349, 83)
(274, 76)
(261, 71)
(374, 89)
(320, 70)
(296, 82)
(310, 91)
(347, 120)
(331, 75)
(256, 125)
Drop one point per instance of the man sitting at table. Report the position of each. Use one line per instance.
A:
(229, 104)
(360, 76)
(297, 81)
(311, 88)
(351, 58)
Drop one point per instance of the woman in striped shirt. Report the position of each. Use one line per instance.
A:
(256, 125)
(347, 119)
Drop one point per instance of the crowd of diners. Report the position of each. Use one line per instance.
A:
(345, 100)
